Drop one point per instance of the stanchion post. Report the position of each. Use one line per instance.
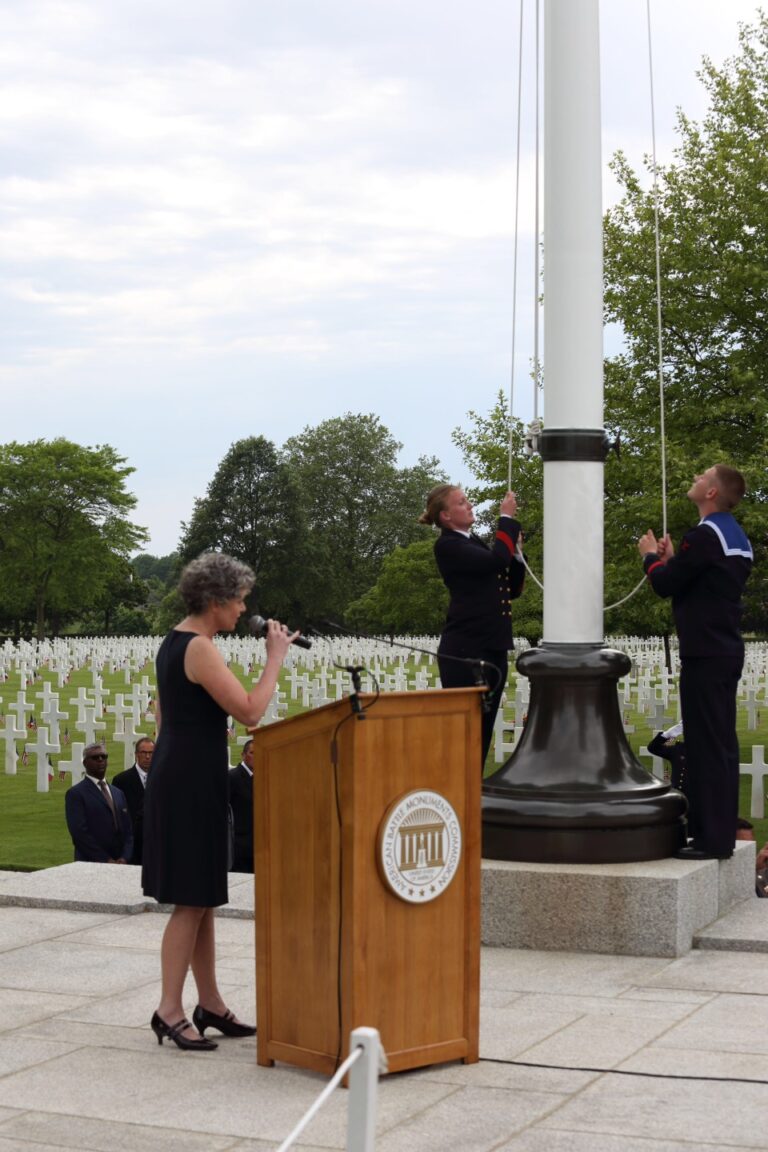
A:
(363, 1087)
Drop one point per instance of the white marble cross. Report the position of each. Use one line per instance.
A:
(51, 716)
(48, 696)
(502, 746)
(75, 764)
(120, 710)
(21, 707)
(41, 748)
(757, 770)
(81, 701)
(11, 733)
(659, 767)
(657, 716)
(100, 694)
(752, 707)
(128, 738)
(89, 725)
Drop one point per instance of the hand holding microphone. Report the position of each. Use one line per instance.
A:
(258, 626)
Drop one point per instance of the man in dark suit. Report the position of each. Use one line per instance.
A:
(132, 782)
(241, 801)
(97, 814)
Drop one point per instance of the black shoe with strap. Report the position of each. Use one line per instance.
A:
(226, 1024)
(174, 1033)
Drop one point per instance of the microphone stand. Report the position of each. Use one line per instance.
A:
(477, 667)
(354, 698)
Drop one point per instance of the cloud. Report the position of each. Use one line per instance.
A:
(287, 210)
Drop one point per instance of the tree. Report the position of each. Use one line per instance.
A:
(713, 216)
(251, 511)
(119, 607)
(161, 568)
(408, 597)
(63, 526)
(359, 505)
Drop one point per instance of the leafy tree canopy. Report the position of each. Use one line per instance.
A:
(408, 597)
(251, 511)
(64, 527)
(358, 503)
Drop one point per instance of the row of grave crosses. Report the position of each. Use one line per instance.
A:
(313, 678)
(132, 711)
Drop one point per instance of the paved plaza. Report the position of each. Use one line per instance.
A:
(579, 1052)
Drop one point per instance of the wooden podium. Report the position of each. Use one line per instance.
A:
(336, 947)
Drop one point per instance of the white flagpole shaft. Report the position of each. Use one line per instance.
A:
(573, 309)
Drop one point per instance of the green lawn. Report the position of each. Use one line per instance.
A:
(33, 831)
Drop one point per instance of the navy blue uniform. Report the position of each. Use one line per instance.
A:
(482, 581)
(705, 580)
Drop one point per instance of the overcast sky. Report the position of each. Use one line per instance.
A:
(220, 219)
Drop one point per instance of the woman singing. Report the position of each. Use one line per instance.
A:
(185, 823)
(482, 581)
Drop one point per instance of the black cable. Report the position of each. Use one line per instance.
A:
(334, 750)
(479, 667)
(622, 1072)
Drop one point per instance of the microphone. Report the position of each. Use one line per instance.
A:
(257, 626)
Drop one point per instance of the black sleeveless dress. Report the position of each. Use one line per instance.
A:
(185, 804)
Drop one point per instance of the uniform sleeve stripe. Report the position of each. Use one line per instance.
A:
(505, 539)
(651, 567)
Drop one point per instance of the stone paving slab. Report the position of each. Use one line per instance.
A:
(743, 929)
(674, 1063)
(714, 971)
(729, 1023)
(629, 1106)
(538, 1141)
(473, 1120)
(596, 1042)
(20, 1007)
(38, 1130)
(579, 1052)
(19, 1052)
(20, 928)
(49, 966)
(570, 973)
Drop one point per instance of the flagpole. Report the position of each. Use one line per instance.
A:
(573, 791)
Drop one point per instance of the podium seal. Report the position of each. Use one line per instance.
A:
(418, 847)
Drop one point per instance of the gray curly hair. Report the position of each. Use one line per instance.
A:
(215, 577)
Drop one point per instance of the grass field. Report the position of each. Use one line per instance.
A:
(33, 832)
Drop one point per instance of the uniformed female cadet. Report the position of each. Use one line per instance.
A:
(482, 581)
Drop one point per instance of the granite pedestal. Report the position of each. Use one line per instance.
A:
(644, 909)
